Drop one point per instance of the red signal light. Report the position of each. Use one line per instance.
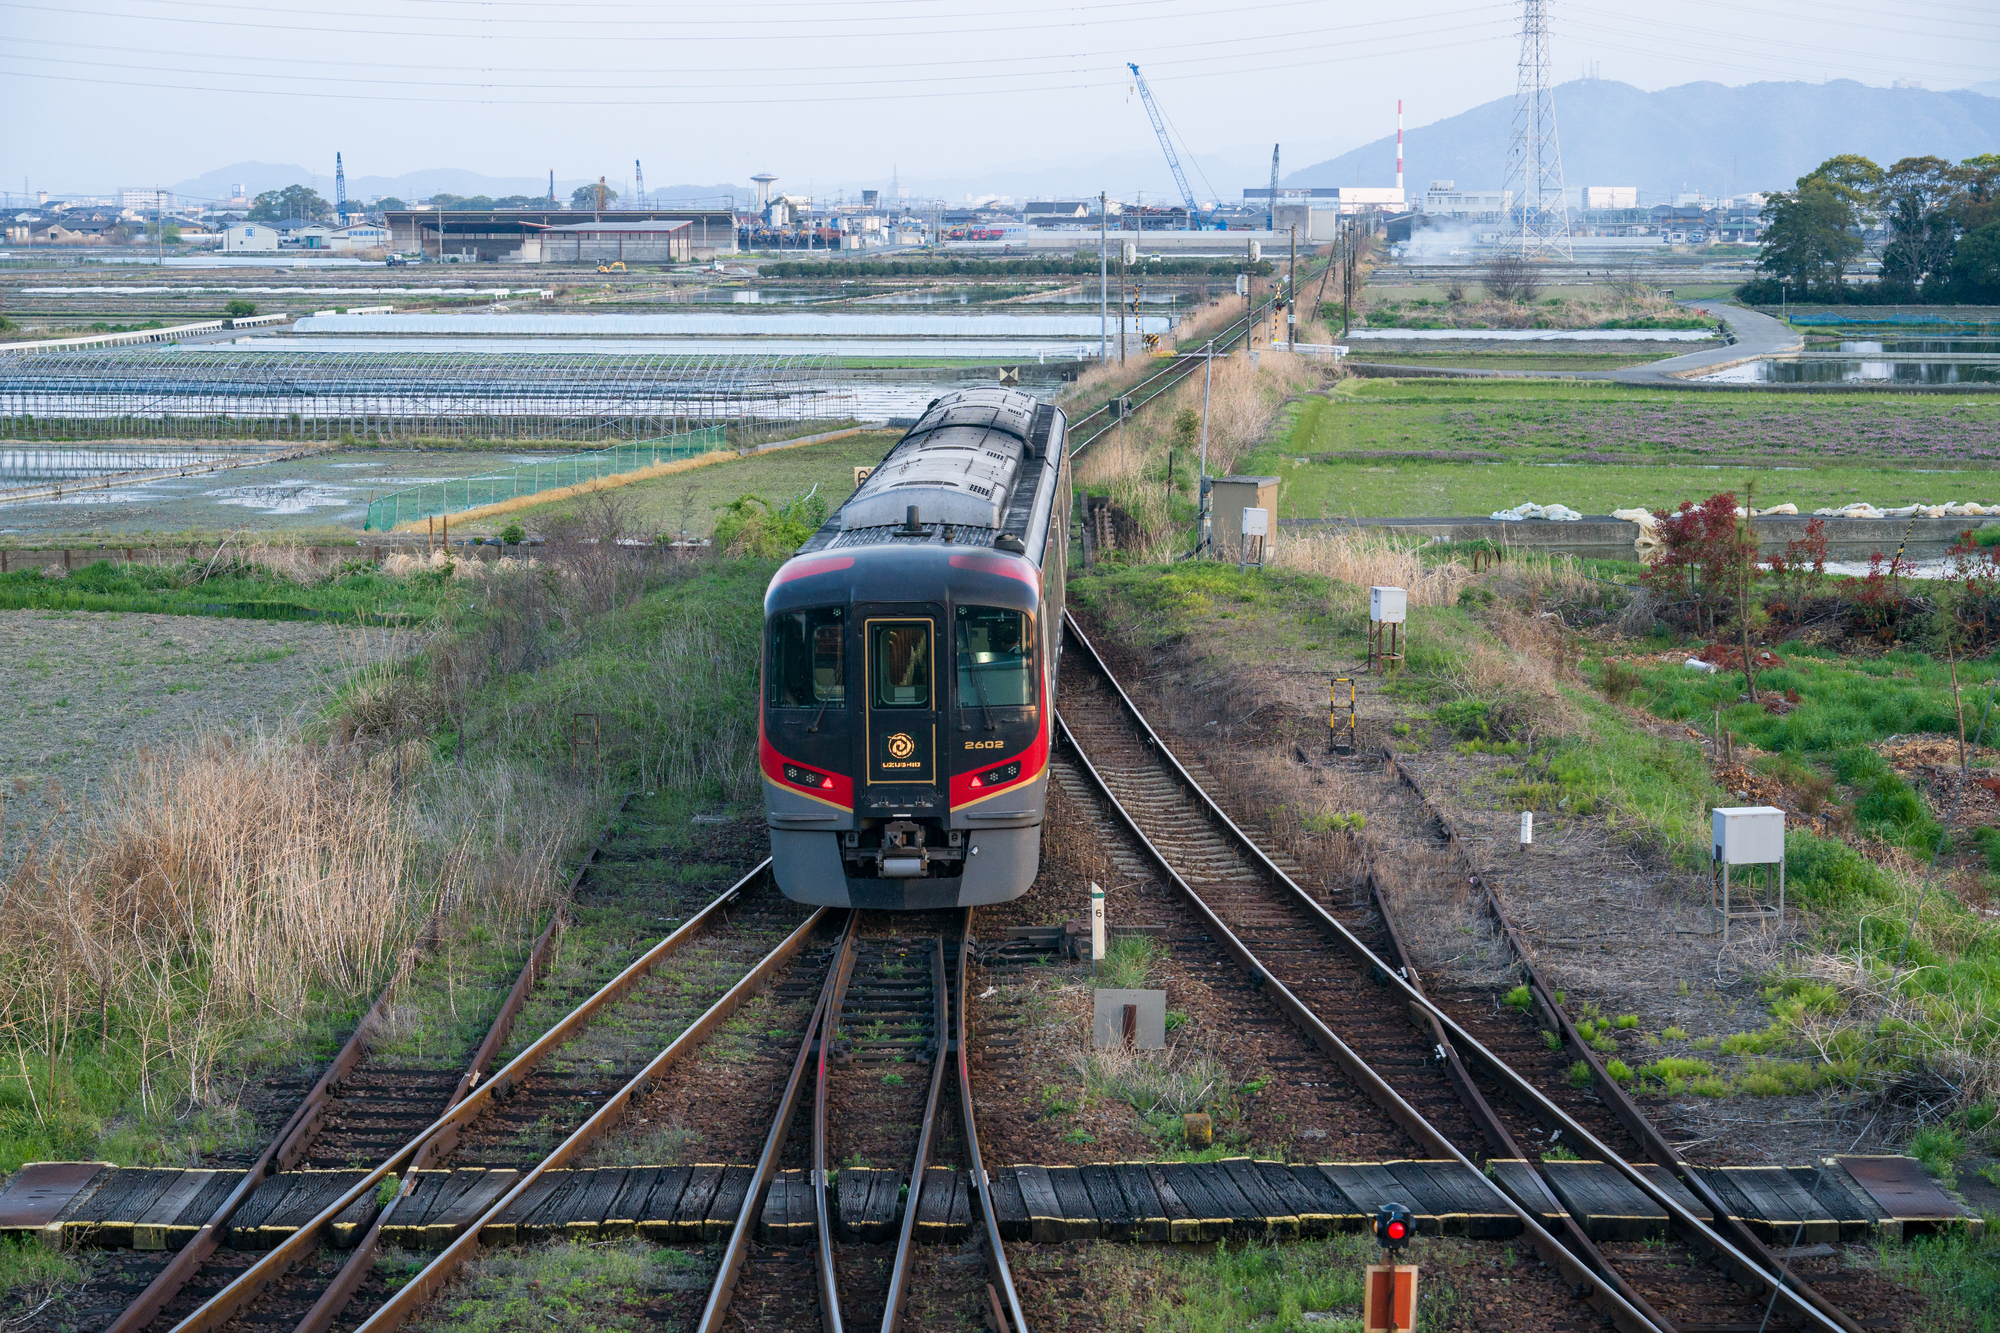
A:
(1397, 1231)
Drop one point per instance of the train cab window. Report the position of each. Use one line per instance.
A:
(899, 653)
(808, 667)
(996, 662)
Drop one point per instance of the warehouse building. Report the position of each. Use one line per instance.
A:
(505, 233)
(603, 242)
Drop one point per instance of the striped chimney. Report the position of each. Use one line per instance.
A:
(1399, 147)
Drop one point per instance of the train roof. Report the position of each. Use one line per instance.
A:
(979, 465)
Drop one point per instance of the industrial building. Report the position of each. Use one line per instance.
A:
(504, 233)
(622, 242)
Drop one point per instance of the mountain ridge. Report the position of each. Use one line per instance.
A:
(1688, 137)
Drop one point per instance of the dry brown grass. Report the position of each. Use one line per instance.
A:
(229, 881)
(1366, 557)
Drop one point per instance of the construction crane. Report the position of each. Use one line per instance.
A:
(340, 188)
(1271, 202)
(639, 182)
(1166, 142)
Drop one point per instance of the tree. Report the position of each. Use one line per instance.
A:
(1511, 278)
(1975, 265)
(1921, 199)
(388, 202)
(1981, 203)
(584, 197)
(1857, 179)
(294, 201)
(1811, 235)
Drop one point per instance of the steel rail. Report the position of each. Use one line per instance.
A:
(1172, 373)
(1497, 1136)
(1614, 1096)
(829, 1031)
(253, 1280)
(291, 1142)
(1007, 1318)
(284, 1150)
(899, 1268)
(432, 1277)
(1699, 1234)
(1600, 1294)
(737, 1251)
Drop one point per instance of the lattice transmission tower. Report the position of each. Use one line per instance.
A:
(1534, 157)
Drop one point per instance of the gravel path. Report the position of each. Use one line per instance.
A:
(84, 689)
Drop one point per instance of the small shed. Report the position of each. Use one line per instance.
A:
(1228, 497)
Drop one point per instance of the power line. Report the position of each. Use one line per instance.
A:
(762, 100)
(1289, 36)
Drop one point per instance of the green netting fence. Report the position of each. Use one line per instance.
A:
(462, 493)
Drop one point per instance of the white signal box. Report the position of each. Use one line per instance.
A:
(1388, 606)
(1749, 835)
(1256, 523)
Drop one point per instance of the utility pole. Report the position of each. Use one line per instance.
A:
(159, 228)
(1201, 500)
(1292, 294)
(1124, 255)
(1103, 287)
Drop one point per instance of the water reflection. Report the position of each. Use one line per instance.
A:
(1846, 370)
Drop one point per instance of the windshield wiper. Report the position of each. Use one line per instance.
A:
(978, 682)
(824, 705)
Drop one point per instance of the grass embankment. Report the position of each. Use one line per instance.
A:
(257, 583)
(1629, 304)
(1379, 448)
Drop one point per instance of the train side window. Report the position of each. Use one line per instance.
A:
(808, 664)
(996, 658)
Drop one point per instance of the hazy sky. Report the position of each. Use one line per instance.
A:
(834, 94)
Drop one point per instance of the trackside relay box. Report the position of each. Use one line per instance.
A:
(1388, 606)
(1749, 835)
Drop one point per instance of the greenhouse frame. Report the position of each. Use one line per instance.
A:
(386, 396)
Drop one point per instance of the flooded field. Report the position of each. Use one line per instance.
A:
(326, 490)
(1858, 370)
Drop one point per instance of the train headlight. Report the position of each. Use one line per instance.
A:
(805, 777)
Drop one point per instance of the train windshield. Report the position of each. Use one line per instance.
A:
(809, 659)
(996, 667)
(901, 657)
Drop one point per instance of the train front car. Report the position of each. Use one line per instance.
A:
(910, 666)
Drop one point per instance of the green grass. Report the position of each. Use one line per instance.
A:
(360, 595)
(1457, 447)
(1475, 360)
(580, 1288)
(1959, 1273)
(696, 497)
(1128, 962)
(31, 1271)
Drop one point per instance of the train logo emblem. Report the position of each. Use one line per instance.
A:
(901, 746)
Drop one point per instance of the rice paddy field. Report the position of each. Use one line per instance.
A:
(1383, 448)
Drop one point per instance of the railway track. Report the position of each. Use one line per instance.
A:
(360, 1103)
(1099, 422)
(1430, 1073)
(883, 1057)
(320, 1275)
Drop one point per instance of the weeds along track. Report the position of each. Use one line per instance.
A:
(873, 1078)
(565, 1067)
(1338, 971)
(364, 1105)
